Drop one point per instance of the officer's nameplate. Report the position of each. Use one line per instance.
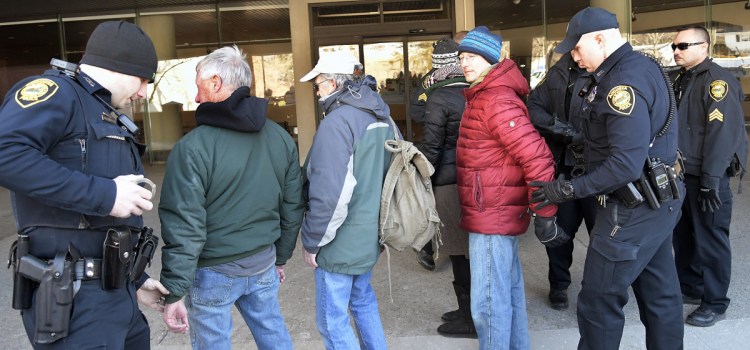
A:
(621, 99)
(719, 90)
(36, 91)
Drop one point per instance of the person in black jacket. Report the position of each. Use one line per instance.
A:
(714, 144)
(553, 106)
(444, 54)
(443, 110)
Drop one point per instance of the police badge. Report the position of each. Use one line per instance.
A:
(35, 91)
(621, 99)
(718, 90)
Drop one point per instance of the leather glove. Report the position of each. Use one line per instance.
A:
(557, 191)
(549, 233)
(709, 199)
(564, 132)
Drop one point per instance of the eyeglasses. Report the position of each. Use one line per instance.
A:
(684, 46)
(316, 86)
(466, 58)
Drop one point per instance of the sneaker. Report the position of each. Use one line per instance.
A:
(558, 299)
(690, 300)
(425, 259)
(704, 317)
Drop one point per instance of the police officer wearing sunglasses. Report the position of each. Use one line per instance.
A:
(714, 143)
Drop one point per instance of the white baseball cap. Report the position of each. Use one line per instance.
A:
(336, 62)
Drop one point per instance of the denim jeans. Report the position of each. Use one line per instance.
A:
(498, 302)
(209, 303)
(338, 294)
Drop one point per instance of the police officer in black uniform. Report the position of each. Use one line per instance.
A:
(72, 171)
(626, 112)
(714, 144)
(553, 106)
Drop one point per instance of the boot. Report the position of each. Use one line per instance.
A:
(463, 326)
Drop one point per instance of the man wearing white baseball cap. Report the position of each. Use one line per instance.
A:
(344, 178)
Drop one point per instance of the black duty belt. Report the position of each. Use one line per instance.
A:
(87, 269)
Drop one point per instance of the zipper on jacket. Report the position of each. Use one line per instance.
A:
(82, 142)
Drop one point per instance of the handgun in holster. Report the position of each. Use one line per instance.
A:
(23, 288)
(144, 252)
(54, 297)
(116, 258)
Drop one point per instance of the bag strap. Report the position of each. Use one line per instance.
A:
(395, 128)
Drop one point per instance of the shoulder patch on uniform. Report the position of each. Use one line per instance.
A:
(422, 97)
(36, 91)
(621, 99)
(719, 89)
(716, 115)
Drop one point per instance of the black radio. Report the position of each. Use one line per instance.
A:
(659, 179)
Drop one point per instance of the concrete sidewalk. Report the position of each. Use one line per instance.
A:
(421, 296)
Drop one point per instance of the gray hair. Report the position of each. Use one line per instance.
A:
(340, 79)
(230, 64)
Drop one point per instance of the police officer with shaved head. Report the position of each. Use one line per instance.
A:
(714, 143)
(73, 166)
(630, 148)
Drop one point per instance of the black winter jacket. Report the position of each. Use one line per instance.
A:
(442, 118)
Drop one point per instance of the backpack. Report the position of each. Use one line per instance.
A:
(408, 217)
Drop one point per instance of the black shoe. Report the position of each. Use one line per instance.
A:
(460, 328)
(704, 317)
(690, 300)
(451, 315)
(426, 260)
(558, 299)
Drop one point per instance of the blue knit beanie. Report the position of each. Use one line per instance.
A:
(482, 42)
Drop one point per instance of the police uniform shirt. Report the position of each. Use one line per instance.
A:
(711, 121)
(46, 160)
(624, 109)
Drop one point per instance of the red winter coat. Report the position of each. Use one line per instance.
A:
(498, 153)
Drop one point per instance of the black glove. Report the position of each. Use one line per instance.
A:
(549, 233)
(709, 199)
(564, 132)
(557, 191)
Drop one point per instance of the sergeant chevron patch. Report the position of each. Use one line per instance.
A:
(716, 115)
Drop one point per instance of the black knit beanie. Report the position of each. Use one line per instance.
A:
(121, 47)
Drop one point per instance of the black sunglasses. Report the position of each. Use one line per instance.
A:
(684, 46)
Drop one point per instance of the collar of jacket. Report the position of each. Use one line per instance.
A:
(240, 112)
(611, 61)
(483, 75)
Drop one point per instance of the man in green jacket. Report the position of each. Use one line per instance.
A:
(230, 210)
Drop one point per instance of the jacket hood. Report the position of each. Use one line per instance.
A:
(504, 75)
(240, 112)
(360, 96)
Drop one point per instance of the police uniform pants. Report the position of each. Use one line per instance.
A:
(100, 320)
(569, 217)
(701, 245)
(631, 247)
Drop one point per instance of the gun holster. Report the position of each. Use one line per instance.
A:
(54, 297)
(144, 252)
(116, 258)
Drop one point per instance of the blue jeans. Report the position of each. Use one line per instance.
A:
(338, 294)
(209, 303)
(498, 301)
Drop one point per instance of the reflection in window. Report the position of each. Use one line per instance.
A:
(385, 62)
(273, 79)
